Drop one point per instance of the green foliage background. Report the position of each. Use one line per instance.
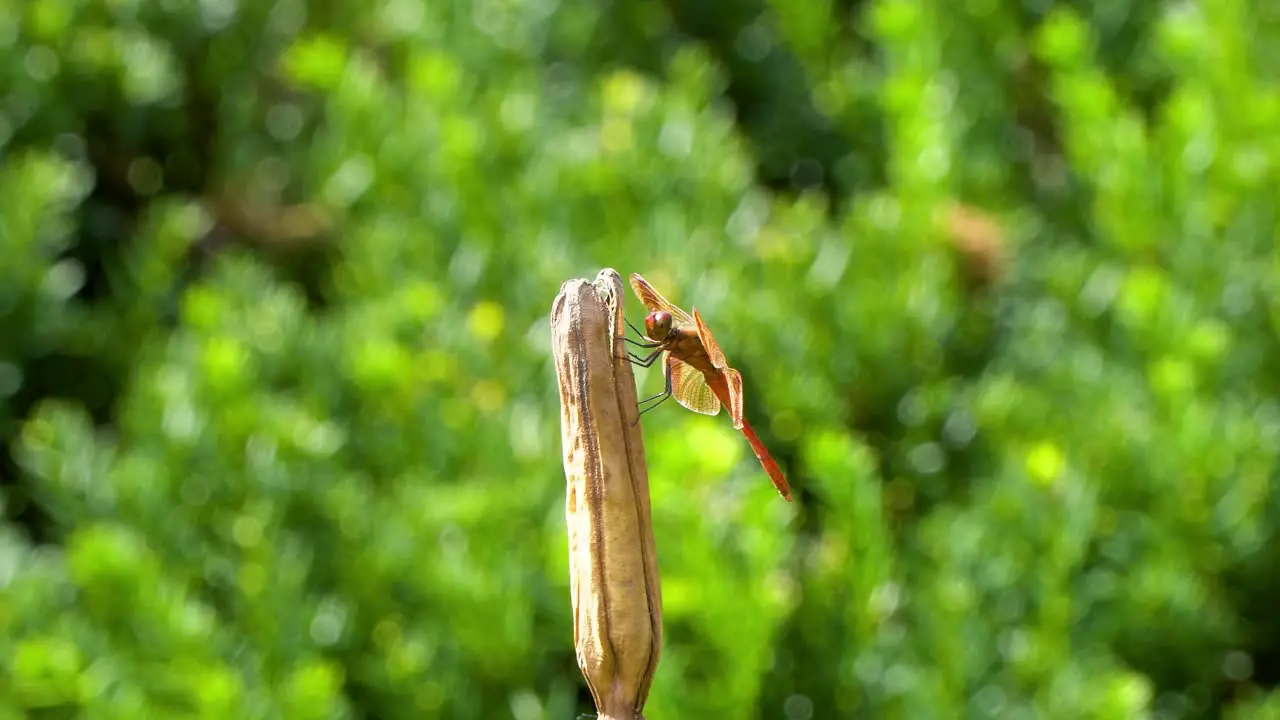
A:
(280, 421)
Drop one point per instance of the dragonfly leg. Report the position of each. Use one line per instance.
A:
(647, 344)
(663, 395)
(637, 343)
(647, 360)
(660, 397)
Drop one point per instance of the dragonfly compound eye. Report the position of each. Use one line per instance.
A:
(658, 324)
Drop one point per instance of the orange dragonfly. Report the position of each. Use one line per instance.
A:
(694, 369)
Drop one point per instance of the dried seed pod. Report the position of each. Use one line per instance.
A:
(617, 601)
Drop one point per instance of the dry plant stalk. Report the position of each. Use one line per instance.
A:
(613, 569)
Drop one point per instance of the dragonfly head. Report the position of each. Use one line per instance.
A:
(657, 325)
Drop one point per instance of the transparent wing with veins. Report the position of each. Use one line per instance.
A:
(714, 353)
(653, 300)
(690, 387)
(733, 379)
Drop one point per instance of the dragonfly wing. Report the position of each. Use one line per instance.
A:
(653, 300)
(734, 381)
(690, 387)
(732, 378)
(714, 353)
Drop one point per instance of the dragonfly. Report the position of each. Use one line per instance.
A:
(694, 369)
